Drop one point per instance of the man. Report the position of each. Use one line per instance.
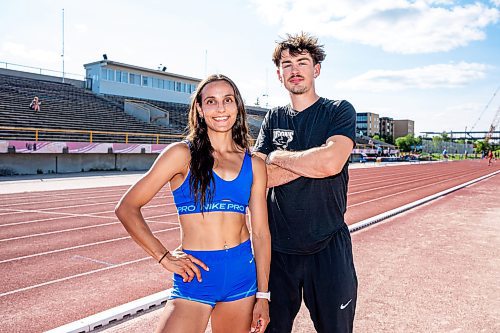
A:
(306, 146)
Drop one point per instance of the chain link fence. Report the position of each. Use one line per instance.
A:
(429, 146)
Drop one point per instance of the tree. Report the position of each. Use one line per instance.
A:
(388, 139)
(445, 137)
(401, 143)
(417, 143)
(481, 146)
(409, 143)
(437, 140)
(404, 143)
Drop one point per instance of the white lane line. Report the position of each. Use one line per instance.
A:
(77, 247)
(114, 202)
(67, 215)
(164, 222)
(23, 211)
(71, 277)
(397, 179)
(66, 198)
(55, 218)
(105, 263)
(418, 180)
(162, 215)
(48, 210)
(68, 192)
(35, 221)
(97, 214)
(47, 195)
(361, 181)
(401, 192)
(83, 205)
(87, 227)
(57, 231)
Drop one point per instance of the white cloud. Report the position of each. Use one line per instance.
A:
(466, 114)
(439, 2)
(269, 9)
(81, 28)
(24, 54)
(495, 2)
(432, 76)
(398, 26)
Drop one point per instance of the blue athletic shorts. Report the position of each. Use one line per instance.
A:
(232, 276)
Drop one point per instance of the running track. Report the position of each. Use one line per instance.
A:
(65, 256)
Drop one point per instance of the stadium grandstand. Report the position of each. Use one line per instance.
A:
(68, 113)
(117, 109)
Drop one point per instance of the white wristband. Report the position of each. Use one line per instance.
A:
(263, 295)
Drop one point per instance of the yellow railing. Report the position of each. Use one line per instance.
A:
(90, 133)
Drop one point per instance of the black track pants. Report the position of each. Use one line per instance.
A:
(327, 280)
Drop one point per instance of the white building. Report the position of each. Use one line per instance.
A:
(115, 78)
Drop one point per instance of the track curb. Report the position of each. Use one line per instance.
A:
(113, 315)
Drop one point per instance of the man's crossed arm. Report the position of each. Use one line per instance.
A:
(318, 162)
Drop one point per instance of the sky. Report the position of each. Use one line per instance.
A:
(436, 62)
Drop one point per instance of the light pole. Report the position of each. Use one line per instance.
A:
(62, 53)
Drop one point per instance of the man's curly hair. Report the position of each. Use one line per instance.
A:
(297, 44)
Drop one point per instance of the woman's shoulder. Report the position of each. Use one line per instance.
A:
(258, 163)
(175, 158)
(178, 150)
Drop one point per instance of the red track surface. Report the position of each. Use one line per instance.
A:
(65, 256)
(431, 269)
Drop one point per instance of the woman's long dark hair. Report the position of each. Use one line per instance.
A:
(202, 160)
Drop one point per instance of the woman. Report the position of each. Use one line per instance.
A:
(35, 104)
(213, 179)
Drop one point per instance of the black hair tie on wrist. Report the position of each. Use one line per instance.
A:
(163, 256)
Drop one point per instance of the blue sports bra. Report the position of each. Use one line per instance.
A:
(229, 196)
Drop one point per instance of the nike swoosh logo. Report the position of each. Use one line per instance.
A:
(342, 306)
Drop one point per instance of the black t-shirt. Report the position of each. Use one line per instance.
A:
(306, 212)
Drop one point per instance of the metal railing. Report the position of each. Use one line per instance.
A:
(118, 137)
(41, 71)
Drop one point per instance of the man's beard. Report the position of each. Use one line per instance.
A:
(298, 90)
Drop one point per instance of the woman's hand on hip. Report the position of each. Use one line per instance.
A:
(184, 264)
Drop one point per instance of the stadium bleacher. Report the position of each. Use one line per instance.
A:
(179, 113)
(69, 108)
